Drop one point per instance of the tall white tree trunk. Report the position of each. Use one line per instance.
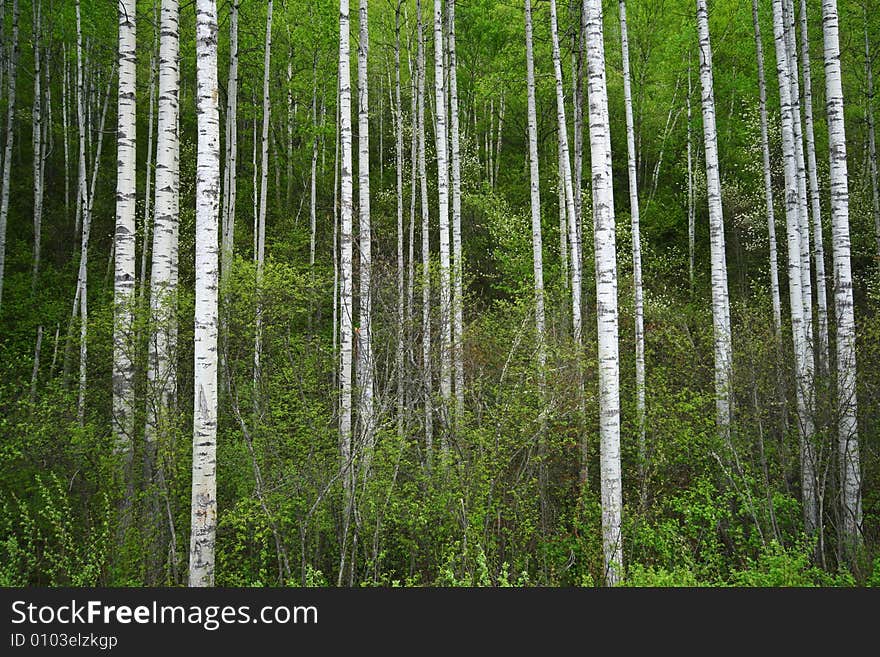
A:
(365, 311)
(204, 466)
(313, 188)
(229, 169)
(12, 65)
(578, 36)
(574, 242)
(163, 289)
(264, 193)
(606, 294)
(441, 146)
(400, 354)
(848, 442)
(65, 93)
(457, 264)
(720, 299)
(124, 241)
(426, 247)
(496, 158)
(815, 200)
(636, 246)
(768, 183)
(799, 329)
(37, 143)
(690, 183)
(346, 273)
(150, 172)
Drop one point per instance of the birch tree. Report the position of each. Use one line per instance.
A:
(441, 146)
(37, 142)
(636, 245)
(815, 201)
(12, 66)
(402, 318)
(847, 427)
(204, 466)
(720, 298)
(606, 295)
(799, 329)
(364, 339)
(457, 264)
(768, 183)
(230, 163)
(124, 242)
(872, 143)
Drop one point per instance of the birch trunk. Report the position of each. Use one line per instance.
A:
(163, 299)
(400, 353)
(261, 217)
(872, 143)
(12, 64)
(803, 361)
(35, 371)
(815, 199)
(149, 174)
(426, 248)
(365, 311)
(204, 466)
(636, 252)
(574, 242)
(720, 299)
(606, 294)
(690, 183)
(313, 191)
(848, 442)
(230, 165)
(65, 93)
(346, 273)
(768, 183)
(37, 143)
(578, 106)
(124, 241)
(496, 158)
(441, 146)
(458, 264)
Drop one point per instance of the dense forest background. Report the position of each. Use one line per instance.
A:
(509, 492)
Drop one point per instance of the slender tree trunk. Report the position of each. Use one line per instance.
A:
(365, 310)
(815, 200)
(35, 372)
(690, 183)
(636, 255)
(65, 93)
(606, 294)
(400, 354)
(336, 240)
(799, 329)
(496, 161)
(230, 168)
(12, 64)
(204, 467)
(537, 251)
(313, 201)
(574, 243)
(149, 174)
(261, 218)
(441, 147)
(768, 183)
(426, 248)
(577, 84)
(720, 298)
(848, 442)
(563, 218)
(457, 264)
(346, 333)
(124, 241)
(37, 143)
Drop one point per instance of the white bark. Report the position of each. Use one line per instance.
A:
(606, 295)
(457, 264)
(313, 188)
(230, 170)
(163, 289)
(441, 147)
(815, 199)
(65, 93)
(799, 328)
(720, 299)
(535, 197)
(365, 311)
(496, 158)
(12, 65)
(124, 241)
(574, 241)
(636, 244)
(690, 183)
(426, 248)
(264, 189)
(37, 143)
(401, 290)
(150, 172)
(35, 371)
(204, 466)
(346, 334)
(848, 443)
(768, 183)
(872, 143)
